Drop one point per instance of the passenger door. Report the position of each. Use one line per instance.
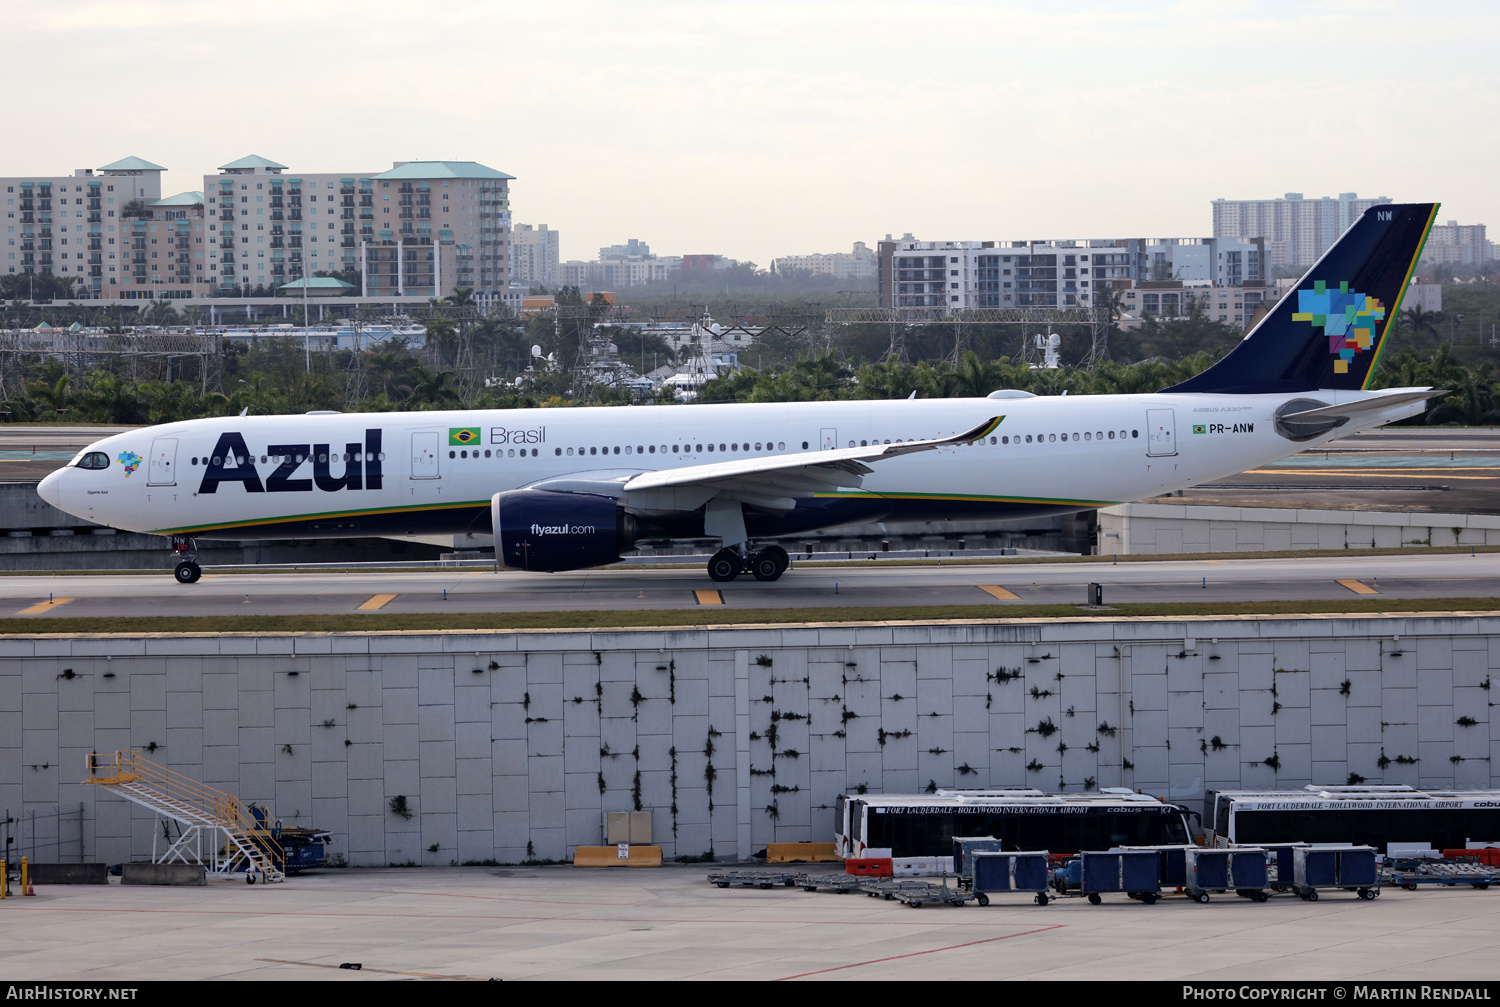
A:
(162, 470)
(830, 438)
(1161, 433)
(424, 455)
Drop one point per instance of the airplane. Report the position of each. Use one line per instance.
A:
(566, 489)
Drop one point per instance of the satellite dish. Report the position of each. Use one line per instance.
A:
(536, 351)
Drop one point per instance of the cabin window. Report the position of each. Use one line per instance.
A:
(1111, 435)
(1133, 433)
(781, 445)
(653, 449)
(804, 445)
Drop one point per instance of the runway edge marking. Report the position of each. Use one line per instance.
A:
(377, 602)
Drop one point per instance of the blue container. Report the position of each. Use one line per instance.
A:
(965, 848)
(1132, 871)
(1010, 872)
(1247, 869)
(1334, 867)
(1211, 870)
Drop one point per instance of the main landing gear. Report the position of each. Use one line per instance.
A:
(766, 565)
(185, 550)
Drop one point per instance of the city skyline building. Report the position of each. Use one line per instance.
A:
(534, 255)
(1297, 230)
(75, 226)
(1460, 244)
(421, 228)
(858, 264)
(1054, 273)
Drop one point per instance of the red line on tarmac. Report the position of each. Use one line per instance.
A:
(933, 951)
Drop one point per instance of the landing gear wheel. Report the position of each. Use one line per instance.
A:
(1094, 898)
(770, 563)
(187, 572)
(724, 566)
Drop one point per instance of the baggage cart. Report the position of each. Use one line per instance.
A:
(1351, 868)
(1009, 872)
(1239, 869)
(1136, 873)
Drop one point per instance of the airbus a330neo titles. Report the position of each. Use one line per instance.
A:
(564, 489)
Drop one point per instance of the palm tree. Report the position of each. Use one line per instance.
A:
(441, 332)
(462, 297)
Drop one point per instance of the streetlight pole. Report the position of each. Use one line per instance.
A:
(306, 339)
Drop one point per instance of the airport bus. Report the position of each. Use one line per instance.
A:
(1363, 815)
(924, 825)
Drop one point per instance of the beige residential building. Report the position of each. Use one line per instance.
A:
(74, 225)
(422, 228)
(859, 264)
(534, 255)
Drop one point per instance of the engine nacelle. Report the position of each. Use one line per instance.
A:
(548, 530)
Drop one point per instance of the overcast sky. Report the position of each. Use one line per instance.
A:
(763, 129)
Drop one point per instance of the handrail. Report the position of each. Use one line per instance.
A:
(132, 767)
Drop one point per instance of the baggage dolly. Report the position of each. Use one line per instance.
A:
(841, 883)
(1410, 874)
(753, 879)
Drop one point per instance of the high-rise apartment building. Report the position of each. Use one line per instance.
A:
(420, 229)
(75, 225)
(1297, 230)
(534, 255)
(1458, 243)
(1057, 273)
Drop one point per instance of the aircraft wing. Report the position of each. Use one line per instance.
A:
(773, 480)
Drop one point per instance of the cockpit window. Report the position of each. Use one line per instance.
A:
(94, 460)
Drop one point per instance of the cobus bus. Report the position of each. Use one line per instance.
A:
(923, 825)
(1363, 815)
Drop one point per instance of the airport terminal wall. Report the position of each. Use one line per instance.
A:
(513, 745)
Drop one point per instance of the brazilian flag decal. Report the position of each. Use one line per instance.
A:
(458, 436)
(1199, 428)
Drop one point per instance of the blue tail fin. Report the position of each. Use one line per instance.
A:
(1329, 331)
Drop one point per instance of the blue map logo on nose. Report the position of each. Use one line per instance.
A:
(131, 461)
(1346, 317)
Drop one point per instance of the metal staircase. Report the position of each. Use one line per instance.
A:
(214, 828)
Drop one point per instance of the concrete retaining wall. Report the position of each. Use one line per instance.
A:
(505, 745)
(1152, 528)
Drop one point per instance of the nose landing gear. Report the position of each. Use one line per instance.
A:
(766, 565)
(185, 550)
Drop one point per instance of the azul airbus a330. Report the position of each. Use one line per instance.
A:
(564, 489)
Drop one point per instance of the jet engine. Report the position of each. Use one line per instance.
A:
(550, 530)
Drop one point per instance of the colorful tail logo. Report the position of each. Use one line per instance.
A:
(1347, 318)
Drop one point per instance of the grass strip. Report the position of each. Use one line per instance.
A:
(717, 616)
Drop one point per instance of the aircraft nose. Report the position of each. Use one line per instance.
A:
(50, 489)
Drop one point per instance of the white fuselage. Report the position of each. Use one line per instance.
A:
(423, 473)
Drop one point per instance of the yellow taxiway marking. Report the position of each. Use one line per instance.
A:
(1358, 588)
(709, 597)
(379, 601)
(999, 592)
(45, 606)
